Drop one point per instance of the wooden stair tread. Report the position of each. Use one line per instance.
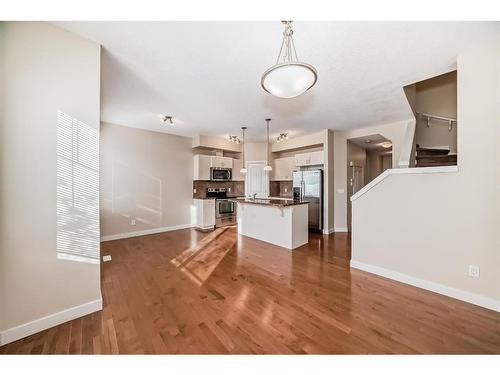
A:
(431, 151)
(437, 157)
(436, 160)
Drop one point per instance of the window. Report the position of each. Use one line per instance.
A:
(77, 190)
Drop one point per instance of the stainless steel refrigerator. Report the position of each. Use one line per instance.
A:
(310, 183)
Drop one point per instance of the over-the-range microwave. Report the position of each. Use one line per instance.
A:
(220, 174)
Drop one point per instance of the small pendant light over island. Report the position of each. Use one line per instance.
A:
(243, 169)
(267, 168)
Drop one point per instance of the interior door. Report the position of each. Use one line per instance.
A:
(257, 180)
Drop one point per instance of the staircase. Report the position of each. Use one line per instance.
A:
(429, 157)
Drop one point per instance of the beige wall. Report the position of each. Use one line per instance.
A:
(255, 151)
(209, 142)
(433, 226)
(308, 140)
(393, 131)
(146, 176)
(437, 96)
(329, 176)
(357, 156)
(52, 78)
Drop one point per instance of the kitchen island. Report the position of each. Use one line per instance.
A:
(277, 221)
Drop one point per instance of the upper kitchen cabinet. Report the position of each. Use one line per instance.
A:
(201, 167)
(203, 163)
(236, 175)
(284, 168)
(310, 158)
(221, 162)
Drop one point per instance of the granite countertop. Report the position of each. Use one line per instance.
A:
(235, 197)
(280, 202)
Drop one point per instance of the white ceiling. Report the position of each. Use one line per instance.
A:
(371, 142)
(207, 74)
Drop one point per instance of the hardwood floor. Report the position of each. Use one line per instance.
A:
(192, 292)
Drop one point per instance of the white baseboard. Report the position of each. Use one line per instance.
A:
(328, 231)
(49, 321)
(476, 299)
(341, 230)
(144, 232)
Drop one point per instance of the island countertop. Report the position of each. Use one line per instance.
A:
(269, 201)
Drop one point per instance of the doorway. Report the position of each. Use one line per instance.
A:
(367, 157)
(257, 180)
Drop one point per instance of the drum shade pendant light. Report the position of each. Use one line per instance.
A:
(267, 168)
(289, 77)
(243, 169)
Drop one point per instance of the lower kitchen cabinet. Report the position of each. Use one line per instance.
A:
(205, 213)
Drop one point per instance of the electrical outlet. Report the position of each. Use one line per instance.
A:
(286, 190)
(228, 190)
(474, 271)
(132, 221)
(106, 258)
(194, 191)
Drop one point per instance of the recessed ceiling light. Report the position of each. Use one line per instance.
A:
(386, 144)
(368, 141)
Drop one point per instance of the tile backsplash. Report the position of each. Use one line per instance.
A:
(237, 188)
(281, 189)
(276, 188)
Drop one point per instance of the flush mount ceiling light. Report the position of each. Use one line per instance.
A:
(267, 168)
(243, 169)
(167, 119)
(386, 144)
(234, 139)
(289, 77)
(282, 137)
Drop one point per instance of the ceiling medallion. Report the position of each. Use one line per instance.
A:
(289, 77)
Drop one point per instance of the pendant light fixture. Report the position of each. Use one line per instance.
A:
(289, 77)
(267, 168)
(243, 169)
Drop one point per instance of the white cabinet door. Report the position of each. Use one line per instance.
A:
(283, 168)
(221, 162)
(309, 158)
(201, 167)
(205, 213)
(317, 158)
(303, 159)
(236, 175)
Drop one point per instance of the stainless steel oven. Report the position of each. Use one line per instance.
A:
(225, 212)
(220, 174)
